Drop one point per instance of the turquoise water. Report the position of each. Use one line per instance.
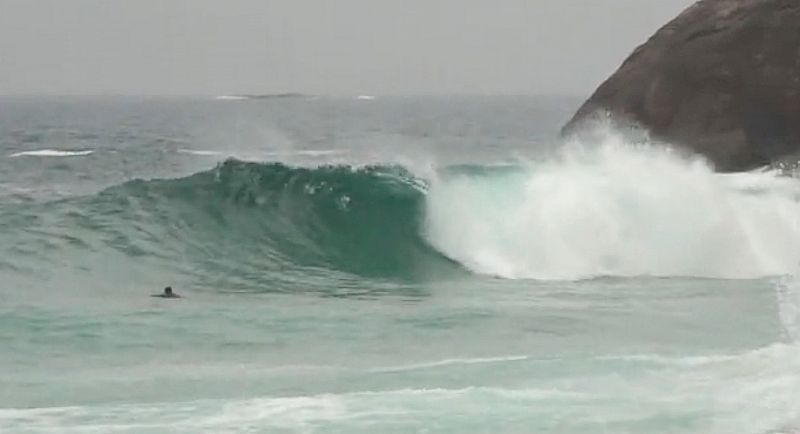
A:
(397, 265)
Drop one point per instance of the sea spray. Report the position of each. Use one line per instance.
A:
(788, 297)
(616, 209)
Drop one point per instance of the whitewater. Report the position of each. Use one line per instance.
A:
(618, 209)
(351, 265)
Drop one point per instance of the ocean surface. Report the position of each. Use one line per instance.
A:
(384, 265)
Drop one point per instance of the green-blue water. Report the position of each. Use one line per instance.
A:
(397, 265)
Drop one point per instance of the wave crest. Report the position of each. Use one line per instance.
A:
(617, 210)
(609, 210)
(364, 221)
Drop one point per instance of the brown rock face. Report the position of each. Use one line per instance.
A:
(721, 79)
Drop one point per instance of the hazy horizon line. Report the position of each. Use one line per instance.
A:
(297, 93)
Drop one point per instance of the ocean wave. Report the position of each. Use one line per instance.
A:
(448, 363)
(263, 218)
(200, 152)
(574, 408)
(614, 209)
(51, 153)
(357, 410)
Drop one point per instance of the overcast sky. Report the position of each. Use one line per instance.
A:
(319, 46)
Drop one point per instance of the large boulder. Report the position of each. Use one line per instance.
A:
(721, 79)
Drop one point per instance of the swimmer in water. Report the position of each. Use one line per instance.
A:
(167, 293)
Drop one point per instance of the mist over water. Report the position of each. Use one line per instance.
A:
(386, 265)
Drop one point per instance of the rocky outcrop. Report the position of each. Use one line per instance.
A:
(721, 79)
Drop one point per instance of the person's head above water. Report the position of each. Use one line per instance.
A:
(167, 293)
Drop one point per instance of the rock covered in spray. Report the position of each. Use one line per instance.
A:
(722, 79)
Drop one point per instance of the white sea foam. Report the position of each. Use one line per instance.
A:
(680, 361)
(449, 362)
(51, 153)
(617, 209)
(755, 393)
(199, 152)
(788, 294)
(231, 98)
(761, 392)
(359, 410)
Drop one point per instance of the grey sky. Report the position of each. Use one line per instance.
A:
(319, 46)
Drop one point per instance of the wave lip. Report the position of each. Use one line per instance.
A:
(51, 153)
(283, 226)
